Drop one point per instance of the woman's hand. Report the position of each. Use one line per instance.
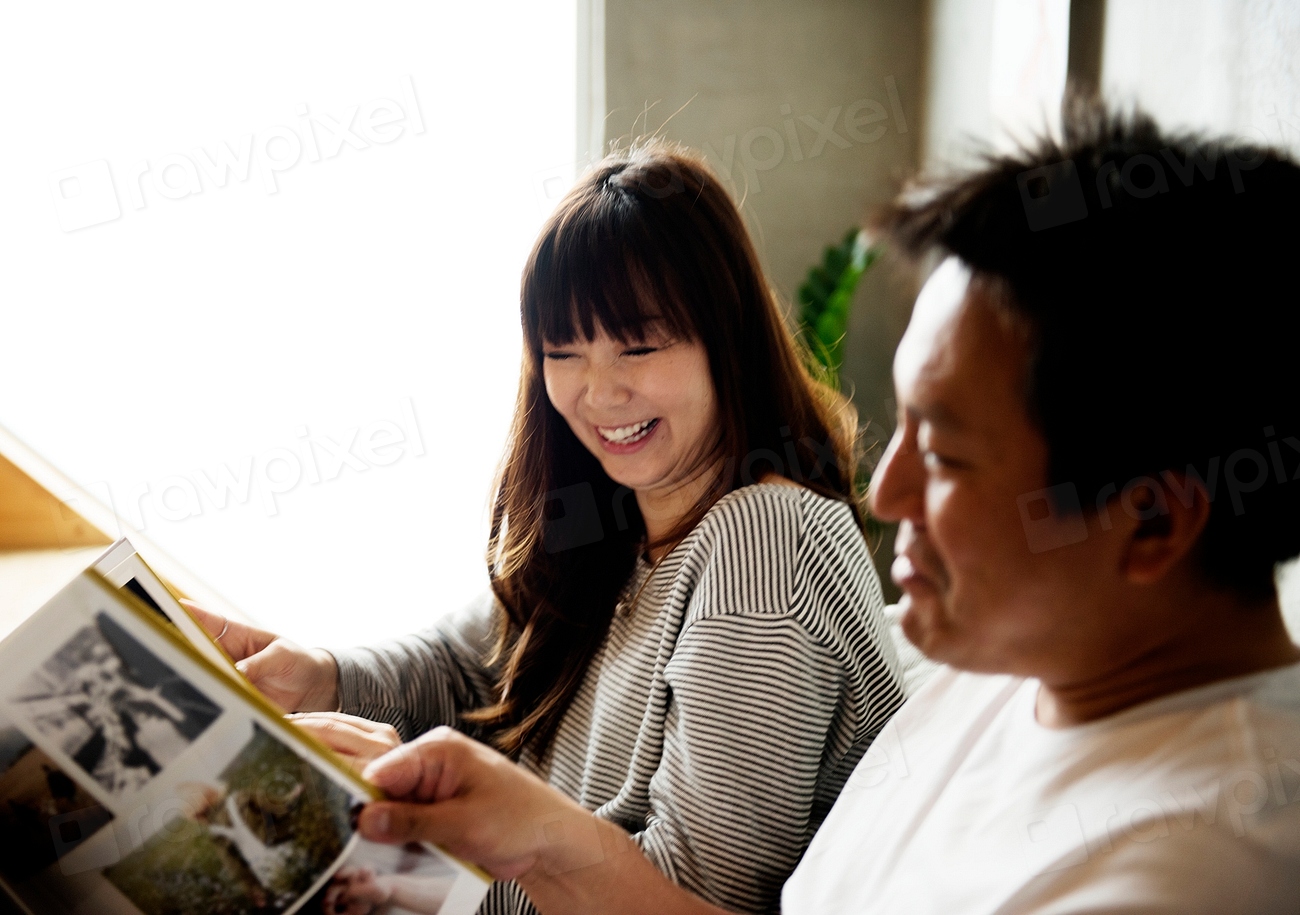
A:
(295, 678)
(359, 741)
(482, 808)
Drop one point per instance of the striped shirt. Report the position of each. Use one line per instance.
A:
(725, 710)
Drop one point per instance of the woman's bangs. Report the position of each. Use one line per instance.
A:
(600, 284)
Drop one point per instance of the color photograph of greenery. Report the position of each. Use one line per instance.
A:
(254, 843)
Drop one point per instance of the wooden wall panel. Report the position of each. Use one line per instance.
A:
(32, 518)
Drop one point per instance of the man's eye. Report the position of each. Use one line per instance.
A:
(935, 461)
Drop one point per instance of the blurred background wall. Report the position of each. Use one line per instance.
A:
(779, 95)
(1232, 65)
(764, 88)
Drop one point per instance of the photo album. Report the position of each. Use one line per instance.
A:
(141, 774)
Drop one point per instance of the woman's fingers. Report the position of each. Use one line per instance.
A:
(378, 728)
(295, 678)
(214, 623)
(238, 639)
(356, 738)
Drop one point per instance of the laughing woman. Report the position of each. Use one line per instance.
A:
(684, 631)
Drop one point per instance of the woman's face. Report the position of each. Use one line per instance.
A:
(646, 410)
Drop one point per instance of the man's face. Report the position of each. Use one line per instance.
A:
(976, 595)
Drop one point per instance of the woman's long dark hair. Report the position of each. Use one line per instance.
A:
(648, 235)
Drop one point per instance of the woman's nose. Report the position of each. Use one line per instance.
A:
(605, 387)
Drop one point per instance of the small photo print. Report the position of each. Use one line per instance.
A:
(117, 710)
(256, 839)
(44, 814)
(387, 880)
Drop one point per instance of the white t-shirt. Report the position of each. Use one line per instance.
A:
(966, 804)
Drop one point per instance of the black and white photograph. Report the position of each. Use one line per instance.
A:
(115, 709)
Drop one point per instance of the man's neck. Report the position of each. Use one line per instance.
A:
(1231, 638)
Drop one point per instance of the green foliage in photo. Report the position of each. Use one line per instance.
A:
(291, 815)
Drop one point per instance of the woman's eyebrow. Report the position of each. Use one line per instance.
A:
(654, 329)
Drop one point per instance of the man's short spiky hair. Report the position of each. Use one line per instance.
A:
(1156, 273)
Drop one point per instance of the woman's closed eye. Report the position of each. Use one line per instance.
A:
(641, 349)
(645, 347)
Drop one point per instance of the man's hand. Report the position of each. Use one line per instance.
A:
(484, 809)
(295, 678)
(478, 805)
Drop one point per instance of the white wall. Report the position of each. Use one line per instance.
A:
(162, 325)
(1228, 65)
(958, 62)
(995, 70)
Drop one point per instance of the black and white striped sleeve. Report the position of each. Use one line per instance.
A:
(753, 699)
(422, 680)
(765, 693)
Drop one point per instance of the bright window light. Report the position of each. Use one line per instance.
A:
(261, 282)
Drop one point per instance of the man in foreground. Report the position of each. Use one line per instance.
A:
(1092, 477)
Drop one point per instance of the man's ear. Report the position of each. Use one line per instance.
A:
(1171, 512)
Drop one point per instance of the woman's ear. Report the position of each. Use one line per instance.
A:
(1171, 513)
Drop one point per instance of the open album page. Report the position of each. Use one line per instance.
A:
(122, 567)
(135, 778)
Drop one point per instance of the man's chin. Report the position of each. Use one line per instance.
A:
(921, 619)
(926, 625)
(916, 617)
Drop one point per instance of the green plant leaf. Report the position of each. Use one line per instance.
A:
(826, 297)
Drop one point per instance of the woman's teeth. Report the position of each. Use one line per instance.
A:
(626, 435)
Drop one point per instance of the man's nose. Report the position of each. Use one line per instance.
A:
(897, 491)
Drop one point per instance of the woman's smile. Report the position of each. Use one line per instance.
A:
(627, 438)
